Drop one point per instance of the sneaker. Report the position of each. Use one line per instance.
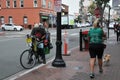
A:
(92, 75)
(101, 70)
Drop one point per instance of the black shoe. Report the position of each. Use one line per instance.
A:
(92, 75)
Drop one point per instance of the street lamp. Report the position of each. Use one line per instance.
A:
(58, 61)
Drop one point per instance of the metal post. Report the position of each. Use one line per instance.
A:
(80, 40)
(109, 20)
(58, 61)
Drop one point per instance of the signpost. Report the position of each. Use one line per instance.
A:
(58, 61)
(57, 5)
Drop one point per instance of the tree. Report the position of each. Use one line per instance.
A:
(101, 4)
(91, 8)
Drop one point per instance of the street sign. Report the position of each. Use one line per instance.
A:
(97, 12)
(57, 5)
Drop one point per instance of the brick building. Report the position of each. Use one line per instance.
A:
(26, 12)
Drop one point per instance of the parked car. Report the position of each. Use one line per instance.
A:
(85, 24)
(82, 24)
(88, 24)
(12, 27)
(78, 25)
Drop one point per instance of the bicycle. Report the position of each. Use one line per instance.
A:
(29, 57)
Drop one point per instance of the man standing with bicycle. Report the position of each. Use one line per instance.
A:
(40, 32)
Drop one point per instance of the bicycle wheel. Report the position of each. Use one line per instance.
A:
(27, 59)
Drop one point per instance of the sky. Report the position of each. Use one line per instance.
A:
(74, 5)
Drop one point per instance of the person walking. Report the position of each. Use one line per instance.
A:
(118, 32)
(96, 46)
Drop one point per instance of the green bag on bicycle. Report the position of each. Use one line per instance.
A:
(46, 50)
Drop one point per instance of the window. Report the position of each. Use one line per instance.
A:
(10, 19)
(8, 3)
(14, 3)
(21, 3)
(49, 4)
(43, 3)
(25, 20)
(2, 19)
(35, 3)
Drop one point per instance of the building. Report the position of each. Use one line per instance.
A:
(26, 12)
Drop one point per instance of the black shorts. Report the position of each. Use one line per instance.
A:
(96, 50)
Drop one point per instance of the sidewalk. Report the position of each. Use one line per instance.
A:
(77, 66)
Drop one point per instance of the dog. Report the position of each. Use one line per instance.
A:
(106, 58)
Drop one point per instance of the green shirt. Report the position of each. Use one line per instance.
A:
(95, 35)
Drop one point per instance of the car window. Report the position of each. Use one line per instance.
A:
(8, 24)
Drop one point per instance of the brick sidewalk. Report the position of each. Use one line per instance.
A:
(77, 66)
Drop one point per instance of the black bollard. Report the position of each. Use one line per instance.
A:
(80, 40)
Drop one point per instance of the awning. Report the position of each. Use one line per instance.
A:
(44, 17)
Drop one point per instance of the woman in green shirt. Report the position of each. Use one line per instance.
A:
(96, 48)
